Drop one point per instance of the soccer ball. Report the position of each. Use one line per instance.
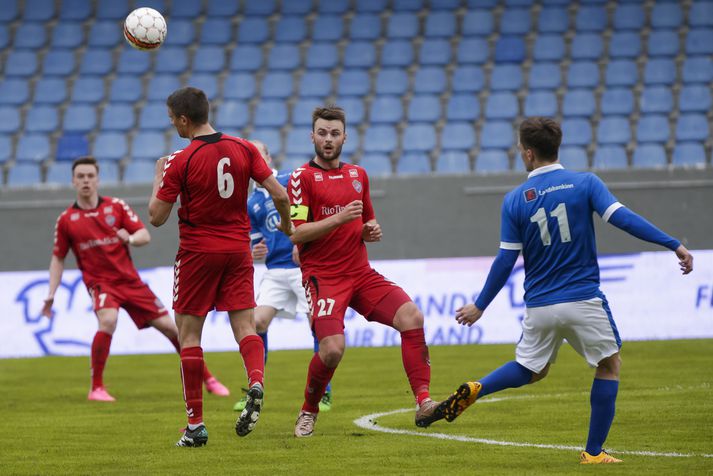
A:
(145, 29)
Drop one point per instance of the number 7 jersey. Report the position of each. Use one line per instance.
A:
(211, 176)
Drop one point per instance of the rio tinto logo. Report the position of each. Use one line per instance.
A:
(332, 210)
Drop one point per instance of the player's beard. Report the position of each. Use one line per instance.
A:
(336, 152)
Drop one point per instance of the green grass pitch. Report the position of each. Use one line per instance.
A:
(665, 405)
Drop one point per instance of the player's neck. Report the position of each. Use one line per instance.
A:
(327, 164)
(202, 130)
(88, 203)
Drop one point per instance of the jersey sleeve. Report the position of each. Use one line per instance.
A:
(255, 233)
(130, 221)
(298, 190)
(368, 210)
(61, 237)
(510, 237)
(601, 199)
(259, 170)
(170, 186)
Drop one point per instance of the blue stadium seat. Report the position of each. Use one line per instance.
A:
(510, 49)
(489, 161)
(458, 136)
(59, 173)
(283, 57)
(148, 146)
(453, 162)
(39, 10)
(71, 146)
(629, 17)
(30, 36)
(549, 48)
(277, 85)
(5, 149)
(207, 82)
(391, 81)
(424, 109)
(79, 118)
(687, 154)
(653, 128)
(435, 52)
(172, 60)
(697, 70)
(386, 110)
(177, 142)
(477, 23)
(699, 41)
(302, 111)
(419, 138)
(586, 46)
(591, 18)
(245, 58)
(216, 31)
(58, 63)
(617, 101)
(50, 91)
(139, 171)
(467, 79)
(613, 130)
(262, 8)
(621, 73)
(574, 158)
(402, 25)
(578, 103)
(656, 99)
(23, 175)
(626, 45)
(154, 117)
(158, 5)
(126, 89)
(117, 117)
(372, 6)
(545, 76)
(222, 8)
(463, 107)
(496, 135)
(253, 30)
(21, 63)
(160, 86)
(701, 14)
(666, 15)
(553, 20)
(67, 35)
(326, 28)
(376, 165)
(501, 105)
(110, 146)
(429, 81)
(132, 61)
(298, 142)
(290, 163)
(109, 171)
(694, 98)
(472, 51)
(436, 5)
(188, 9)
(576, 132)
(355, 82)
(104, 34)
(357, 55)
(209, 59)
(365, 26)
(292, 29)
(541, 103)
(33, 148)
(183, 33)
(112, 9)
(397, 53)
(515, 21)
(9, 120)
(381, 138)
(41, 119)
(270, 114)
(440, 25)
(97, 61)
(4, 36)
(316, 84)
(692, 127)
(649, 156)
(413, 163)
(352, 142)
(13, 91)
(407, 5)
(332, 6)
(506, 77)
(663, 43)
(659, 71)
(353, 108)
(325, 56)
(609, 157)
(75, 10)
(583, 74)
(269, 136)
(239, 86)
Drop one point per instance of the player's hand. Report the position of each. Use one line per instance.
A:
(287, 230)
(47, 308)
(468, 314)
(351, 212)
(259, 250)
(123, 235)
(371, 232)
(685, 259)
(296, 255)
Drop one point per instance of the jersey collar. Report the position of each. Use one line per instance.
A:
(210, 138)
(99, 202)
(544, 170)
(312, 163)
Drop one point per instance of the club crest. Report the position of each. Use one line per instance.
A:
(357, 186)
(110, 220)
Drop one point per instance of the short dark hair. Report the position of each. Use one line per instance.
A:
(331, 112)
(190, 102)
(543, 135)
(85, 160)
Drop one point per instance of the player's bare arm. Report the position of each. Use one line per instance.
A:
(685, 259)
(282, 203)
(56, 270)
(259, 251)
(140, 238)
(159, 211)
(371, 231)
(468, 314)
(314, 230)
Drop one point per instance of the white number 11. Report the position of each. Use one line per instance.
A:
(560, 213)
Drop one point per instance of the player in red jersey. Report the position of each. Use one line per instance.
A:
(214, 267)
(333, 216)
(99, 230)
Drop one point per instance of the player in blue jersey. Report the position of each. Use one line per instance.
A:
(549, 219)
(281, 293)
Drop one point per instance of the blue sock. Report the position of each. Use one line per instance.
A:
(510, 375)
(316, 349)
(603, 401)
(263, 336)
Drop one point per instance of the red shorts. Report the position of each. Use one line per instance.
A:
(204, 281)
(135, 297)
(368, 293)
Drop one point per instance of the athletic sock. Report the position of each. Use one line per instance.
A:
(603, 402)
(318, 376)
(414, 354)
(316, 349)
(206, 373)
(100, 352)
(254, 358)
(263, 336)
(192, 378)
(193, 426)
(510, 375)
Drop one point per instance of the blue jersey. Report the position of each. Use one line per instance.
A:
(263, 222)
(549, 218)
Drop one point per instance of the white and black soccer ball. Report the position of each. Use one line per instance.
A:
(145, 29)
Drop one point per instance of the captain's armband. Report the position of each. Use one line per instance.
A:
(299, 212)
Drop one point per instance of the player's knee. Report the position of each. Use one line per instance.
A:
(260, 326)
(331, 353)
(536, 377)
(611, 365)
(408, 317)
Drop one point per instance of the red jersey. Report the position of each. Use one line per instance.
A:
(101, 255)
(212, 176)
(316, 194)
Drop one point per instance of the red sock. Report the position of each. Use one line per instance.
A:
(192, 378)
(100, 352)
(253, 353)
(414, 354)
(206, 373)
(318, 376)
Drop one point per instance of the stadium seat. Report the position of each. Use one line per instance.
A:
(325, 56)
(222, 8)
(298, 142)
(467, 79)
(79, 118)
(154, 117)
(506, 77)
(253, 31)
(472, 51)
(687, 154)
(177, 142)
(96, 62)
(660, 71)
(656, 99)
(327, 28)
(613, 130)
(510, 49)
(699, 41)
(649, 156)
(629, 17)
(356, 55)
(463, 107)
(496, 135)
(481, 3)
(117, 117)
(617, 101)
(58, 63)
(109, 171)
(21, 175)
(232, 115)
(501, 105)
(110, 146)
(419, 138)
(701, 14)
(148, 146)
(692, 127)
(541, 103)
(71, 146)
(4, 36)
(477, 23)
(583, 74)
(75, 10)
(386, 110)
(576, 132)
(376, 165)
(610, 157)
(126, 89)
(132, 61)
(545, 76)
(459, 136)
(353, 108)
(424, 109)
(492, 161)
(663, 43)
(553, 20)
(449, 5)
(351, 144)
(402, 25)
(694, 98)
(453, 162)
(5, 149)
(591, 18)
(283, 57)
(574, 158)
(413, 163)
(586, 46)
(182, 33)
(515, 21)
(13, 91)
(277, 85)
(158, 5)
(20, 63)
(315, 84)
(290, 30)
(41, 119)
(9, 120)
(429, 81)
(31, 36)
(357, 82)
(397, 53)
(50, 91)
(262, 8)
(245, 58)
(381, 138)
(216, 31)
(435, 52)
(332, 6)
(666, 15)
(239, 86)
(139, 171)
(39, 10)
(290, 163)
(270, 114)
(578, 103)
(621, 73)
(407, 5)
(104, 34)
(653, 128)
(364, 27)
(624, 45)
(33, 148)
(269, 136)
(112, 9)
(440, 24)
(390, 81)
(160, 86)
(59, 173)
(209, 59)
(549, 48)
(302, 111)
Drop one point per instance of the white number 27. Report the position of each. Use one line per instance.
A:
(325, 307)
(560, 213)
(225, 180)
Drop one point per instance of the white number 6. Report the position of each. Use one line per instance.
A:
(225, 180)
